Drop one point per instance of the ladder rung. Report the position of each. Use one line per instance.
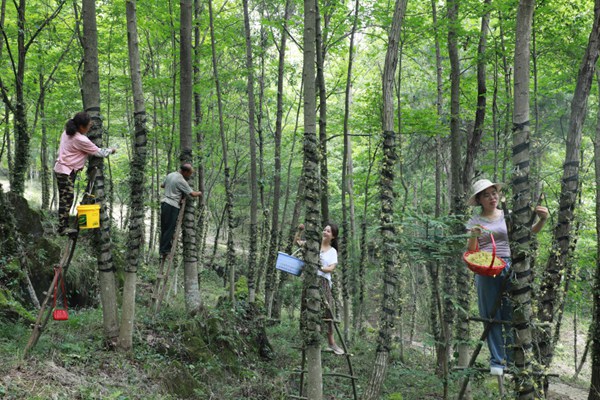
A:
(471, 369)
(340, 375)
(506, 371)
(328, 350)
(490, 320)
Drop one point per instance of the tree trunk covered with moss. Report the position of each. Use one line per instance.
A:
(388, 247)
(558, 265)
(135, 236)
(322, 92)
(202, 225)
(276, 229)
(193, 302)
(91, 101)
(520, 234)
(252, 255)
(595, 329)
(310, 323)
(230, 263)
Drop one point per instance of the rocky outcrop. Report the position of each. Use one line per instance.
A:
(24, 250)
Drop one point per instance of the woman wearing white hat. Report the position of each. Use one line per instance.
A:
(487, 195)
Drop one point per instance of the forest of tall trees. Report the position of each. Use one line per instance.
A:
(377, 116)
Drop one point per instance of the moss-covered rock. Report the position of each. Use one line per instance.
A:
(228, 334)
(7, 229)
(28, 242)
(180, 382)
(12, 310)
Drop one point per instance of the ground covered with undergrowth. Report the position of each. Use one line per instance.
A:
(219, 354)
(228, 351)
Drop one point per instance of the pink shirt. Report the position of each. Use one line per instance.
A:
(73, 152)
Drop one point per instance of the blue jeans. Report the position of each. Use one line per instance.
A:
(499, 338)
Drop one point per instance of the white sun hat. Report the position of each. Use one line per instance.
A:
(480, 186)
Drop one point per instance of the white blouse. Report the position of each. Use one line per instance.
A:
(327, 258)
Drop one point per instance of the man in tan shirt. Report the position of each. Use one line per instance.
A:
(175, 185)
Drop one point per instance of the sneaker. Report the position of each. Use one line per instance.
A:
(336, 349)
(498, 371)
(67, 231)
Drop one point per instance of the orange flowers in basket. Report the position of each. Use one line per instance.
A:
(484, 262)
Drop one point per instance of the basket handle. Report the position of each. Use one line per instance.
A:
(493, 245)
(493, 249)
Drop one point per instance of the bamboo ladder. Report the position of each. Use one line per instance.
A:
(347, 355)
(160, 286)
(65, 260)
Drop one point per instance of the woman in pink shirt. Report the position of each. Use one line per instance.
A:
(72, 155)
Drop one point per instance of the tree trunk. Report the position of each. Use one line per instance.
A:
(324, 179)
(22, 139)
(253, 177)
(7, 104)
(463, 275)
(436, 314)
(2, 17)
(389, 259)
(558, 265)
(156, 184)
(46, 176)
(230, 263)
(22, 134)
(594, 393)
(137, 184)
(454, 275)
(520, 234)
(507, 69)
(283, 278)
(310, 322)
(359, 284)
(275, 229)
(6, 141)
(346, 236)
(202, 223)
(193, 302)
(91, 101)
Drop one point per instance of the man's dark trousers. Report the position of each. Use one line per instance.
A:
(168, 222)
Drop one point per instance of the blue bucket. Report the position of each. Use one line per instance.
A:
(289, 264)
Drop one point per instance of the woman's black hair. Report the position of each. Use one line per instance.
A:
(80, 119)
(334, 232)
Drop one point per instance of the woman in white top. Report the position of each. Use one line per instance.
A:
(329, 261)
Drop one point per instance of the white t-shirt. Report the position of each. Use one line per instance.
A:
(327, 258)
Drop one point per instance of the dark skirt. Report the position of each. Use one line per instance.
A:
(326, 298)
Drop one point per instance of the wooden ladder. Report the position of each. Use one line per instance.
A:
(302, 371)
(488, 323)
(65, 260)
(160, 286)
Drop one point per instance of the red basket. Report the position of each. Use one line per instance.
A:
(486, 270)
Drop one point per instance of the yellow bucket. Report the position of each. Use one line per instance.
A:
(88, 216)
